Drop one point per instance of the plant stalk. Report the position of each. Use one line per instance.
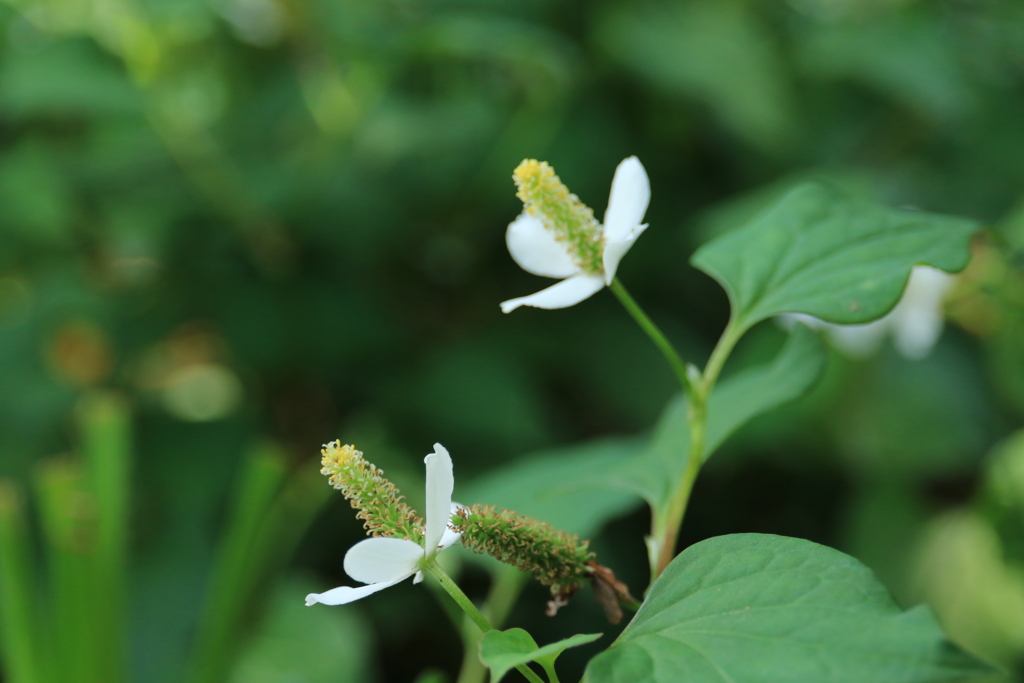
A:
(471, 611)
(697, 416)
(655, 334)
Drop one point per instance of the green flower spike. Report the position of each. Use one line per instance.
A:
(377, 500)
(556, 559)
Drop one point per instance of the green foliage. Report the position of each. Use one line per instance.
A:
(751, 607)
(571, 488)
(503, 650)
(838, 259)
(580, 488)
(737, 399)
(261, 219)
(714, 51)
(19, 637)
(969, 562)
(336, 642)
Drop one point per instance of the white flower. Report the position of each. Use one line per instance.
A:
(537, 251)
(383, 562)
(915, 323)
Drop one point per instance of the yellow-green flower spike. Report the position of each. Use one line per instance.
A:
(555, 559)
(377, 500)
(571, 221)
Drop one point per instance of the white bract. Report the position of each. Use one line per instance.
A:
(383, 562)
(537, 250)
(915, 323)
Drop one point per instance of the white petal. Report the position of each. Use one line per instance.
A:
(627, 204)
(562, 294)
(451, 537)
(536, 250)
(926, 287)
(440, 483)
(858, 341)
(378, 560)
(916, 331)
(614, 250)
(788, 321)
(418, 578)
(917, 320)
(345, 594)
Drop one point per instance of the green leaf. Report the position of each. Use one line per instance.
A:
(718, 52)
(744, 396)
(296, 644)
(580, 488)
(757, 608)
(737, 400)
(504, 650)
(839, 259)
(574, 489)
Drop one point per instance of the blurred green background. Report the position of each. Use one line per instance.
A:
(232, 230)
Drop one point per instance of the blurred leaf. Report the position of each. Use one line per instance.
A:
(54, 77)
(753, 607)
(908, 57)
(716, 51)
(817, 252)
(579, 489)
(482, 393)
(298, 644)
(962, 573)
(270, 513)
(735, 401)
(541, 59)
(35, 204)
(106, 450)
(898, 419)
(68, 521)
(20, 642)
(1003, 495)
(574, 489)
(883, 521)
(743, 396)
(503, 650)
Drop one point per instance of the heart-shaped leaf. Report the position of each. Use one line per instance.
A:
(839, 259)
(754, 608)
(503, 650)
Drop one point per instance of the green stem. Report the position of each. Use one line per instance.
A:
(549, 669)
(471, 611)
(19, 635)
(507, 583)
(236, 566)
(666, 531)
(726, 343)
(68, 522)
(106, 446)
(652, 331)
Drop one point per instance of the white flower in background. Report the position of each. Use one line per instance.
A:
(556, 235)
(915, 323)
(381, 562)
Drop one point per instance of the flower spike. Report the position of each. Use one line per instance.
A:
(556, 559)
(400, 547)
(557, 236)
